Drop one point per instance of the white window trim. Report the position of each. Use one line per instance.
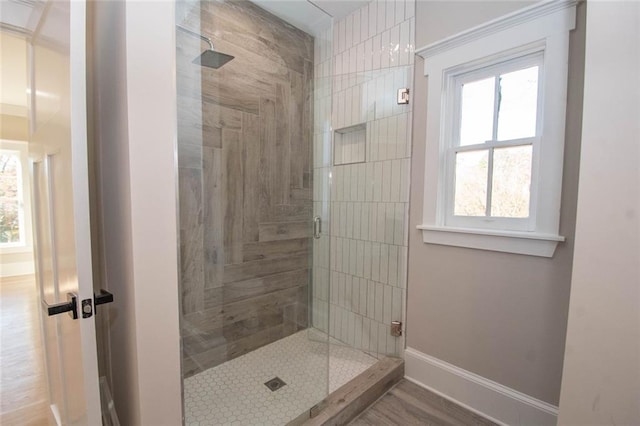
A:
(543, 27)
(25, 245)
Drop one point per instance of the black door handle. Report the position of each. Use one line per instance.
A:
(102, 298)
(71, 305)
(59, 308)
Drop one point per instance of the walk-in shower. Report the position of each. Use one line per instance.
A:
(303, 123)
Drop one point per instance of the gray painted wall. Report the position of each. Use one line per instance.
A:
(502, 316)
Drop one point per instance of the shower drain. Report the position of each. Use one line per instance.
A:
(275, 384)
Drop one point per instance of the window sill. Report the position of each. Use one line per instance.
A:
(528, 243)
(17, 248)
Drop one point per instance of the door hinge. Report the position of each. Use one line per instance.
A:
(403, 96)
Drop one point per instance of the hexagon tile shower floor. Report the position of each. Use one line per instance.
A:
(234, 393)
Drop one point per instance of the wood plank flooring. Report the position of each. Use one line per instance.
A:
(23, 399)
(410, 404)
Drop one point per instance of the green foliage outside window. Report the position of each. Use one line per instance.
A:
(9, 199)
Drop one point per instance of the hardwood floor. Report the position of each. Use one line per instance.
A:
(409, 404)
(23, 398)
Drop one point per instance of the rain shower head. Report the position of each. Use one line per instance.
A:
(210, 57)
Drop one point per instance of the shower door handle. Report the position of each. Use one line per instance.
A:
(317, 227)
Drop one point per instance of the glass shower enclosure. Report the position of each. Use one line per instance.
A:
(293, 195)
(245, 140)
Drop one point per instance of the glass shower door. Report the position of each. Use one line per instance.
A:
(369, 209)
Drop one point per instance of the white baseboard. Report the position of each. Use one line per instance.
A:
(492, 400)
(16, 268)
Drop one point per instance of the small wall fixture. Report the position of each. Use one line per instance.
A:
(403, 96)
(396, 328)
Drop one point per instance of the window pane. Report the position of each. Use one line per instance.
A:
(9, 199)
(476, 116)
(9, 222)
(471, 183)
(8, 187)
(511, 185)
(9, 175)
(518, 104)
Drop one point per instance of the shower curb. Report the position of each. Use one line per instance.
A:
(347, 402)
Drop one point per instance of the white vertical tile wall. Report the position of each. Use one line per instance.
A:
(360, 264)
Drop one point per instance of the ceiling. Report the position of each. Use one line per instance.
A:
(311, 16)
(299, 13)
(20, 16)
(339, 8)
(19, 19)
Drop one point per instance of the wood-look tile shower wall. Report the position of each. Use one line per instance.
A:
(245, 181)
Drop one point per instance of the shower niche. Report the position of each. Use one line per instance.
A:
(349, 145)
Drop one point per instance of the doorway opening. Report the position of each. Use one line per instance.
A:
(23, 388)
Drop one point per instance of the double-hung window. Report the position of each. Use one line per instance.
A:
(495, 128)
(492, 135)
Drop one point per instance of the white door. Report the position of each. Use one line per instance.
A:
(58, 151)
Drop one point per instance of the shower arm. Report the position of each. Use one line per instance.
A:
(195, 34)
